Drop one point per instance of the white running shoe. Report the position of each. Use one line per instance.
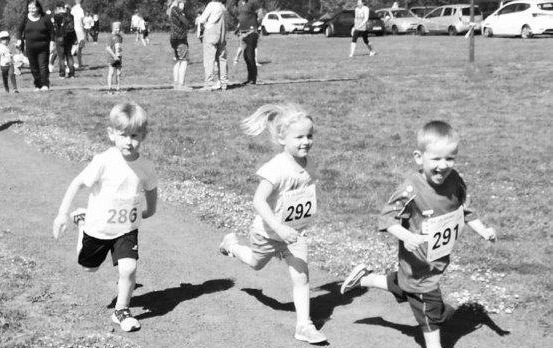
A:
(124, 318)
(228, 241)
(353, 280)
(309, 333)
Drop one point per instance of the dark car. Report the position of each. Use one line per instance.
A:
(317, 25)
(341, 24)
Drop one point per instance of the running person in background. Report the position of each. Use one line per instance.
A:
(114, 49)
(78, 16)
(116, 179)
(180, 24)
(426, 214)
(285, 202)
(360, 27)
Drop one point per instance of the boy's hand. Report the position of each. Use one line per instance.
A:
(60, 225)
(414, 241)
(489, 234)
(288, 234)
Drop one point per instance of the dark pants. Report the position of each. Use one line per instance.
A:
(63, 49)
(250, 41)
(7, 73)
(94, 34)
(38, 62)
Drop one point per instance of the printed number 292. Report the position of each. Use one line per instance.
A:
(121, 216)
(298, 212)
(443, 238)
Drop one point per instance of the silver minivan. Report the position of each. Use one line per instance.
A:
(451, 19)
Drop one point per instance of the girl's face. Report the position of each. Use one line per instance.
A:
(181, 5)
(298, 139)
(32, 8)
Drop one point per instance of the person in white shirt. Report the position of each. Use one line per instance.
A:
(78, 16)
(360, 27)
(116, 178)
(88, 22)
(135, 25)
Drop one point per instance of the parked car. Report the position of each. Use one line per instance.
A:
(523, 18)
(421, 11)
(282, 22)
(451, 19)
(399, 20)
(341, 24)
(316, 26)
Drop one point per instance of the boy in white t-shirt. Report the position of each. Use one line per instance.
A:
(116, 179)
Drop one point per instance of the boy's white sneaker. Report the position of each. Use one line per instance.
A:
(309, 333)
(229, 240)
(353, 280)
(124, 318)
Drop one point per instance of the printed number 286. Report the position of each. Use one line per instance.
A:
(122, 216)
(444, 237)
(298, 212)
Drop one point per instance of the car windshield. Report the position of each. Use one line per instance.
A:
(289, 15)
(466, 11)
(548, 6)
(402, 14)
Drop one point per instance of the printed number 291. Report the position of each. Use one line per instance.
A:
(443, 238)
(121, 216)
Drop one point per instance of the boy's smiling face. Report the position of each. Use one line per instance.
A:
(437, 160)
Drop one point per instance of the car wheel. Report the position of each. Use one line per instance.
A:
(420, 30)
(487, 32)
(395, 30)
(329, 31)
(452, 31)
(282, 30)
(264, 31)
(526, 32)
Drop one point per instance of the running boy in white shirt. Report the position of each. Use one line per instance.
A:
(116, 179)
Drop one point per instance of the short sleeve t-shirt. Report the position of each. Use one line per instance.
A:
(361, 18)
(285, 174)
(78, 15)
(415, 201)
(116, 44)
(114, 203)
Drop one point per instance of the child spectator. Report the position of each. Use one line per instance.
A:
(285, 202)
(116, 179)
(19, 61)
(65, 38)
(115, 56)
(88, 22)
(6, 62)
(95, 30)
(426, 213)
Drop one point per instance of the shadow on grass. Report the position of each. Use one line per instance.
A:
(158, 303)
(322, 306)
(466, 319)
(8, 124)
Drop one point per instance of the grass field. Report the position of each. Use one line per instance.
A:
(365, 130)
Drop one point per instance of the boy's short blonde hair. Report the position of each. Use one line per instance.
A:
(435, 130)
(128, 117)
(114, 24)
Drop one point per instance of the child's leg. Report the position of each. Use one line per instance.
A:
(372, 280)
(110, 76)
(5, 72)
(126, 283)
(299, 273)
(238, 53)
(182, 72)
(13, 80)
(432, 339)
(256, 257)
(119, 70)
(176, 72)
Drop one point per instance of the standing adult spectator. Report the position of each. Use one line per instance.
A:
(95, 30)
(247, 26)
(360, 27)
(180, 24)
(135, 24)
(65, 38)
(88, 21)
(78, 16)
(37, 33)
(215, 44)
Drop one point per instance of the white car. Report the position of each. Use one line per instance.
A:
(451, 19)
(282, 22)
(399, 20)
(523, 18)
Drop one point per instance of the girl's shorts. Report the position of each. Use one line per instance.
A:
(428, 307)
(180, 47)
(94, 251)
(364, 34)
(264, 249)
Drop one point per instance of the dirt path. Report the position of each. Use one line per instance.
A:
(190, 295)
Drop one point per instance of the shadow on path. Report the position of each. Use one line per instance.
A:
(466, 319)
(161, 302)
(322, 306)
(8, 124)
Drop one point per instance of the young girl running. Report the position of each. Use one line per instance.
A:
(285, 202)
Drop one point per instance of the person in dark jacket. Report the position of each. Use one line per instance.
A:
(95, 30)
(65, 39)
(37, 31)
(180, 24)
(247, 26)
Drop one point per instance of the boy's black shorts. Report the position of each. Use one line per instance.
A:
(429, 308)
(94, 250)
(116, 63)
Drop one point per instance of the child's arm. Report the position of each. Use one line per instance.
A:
(488, 233)
(110, 51)
(60, 222)
(411, 241)
(151, 203)
(264, 190)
